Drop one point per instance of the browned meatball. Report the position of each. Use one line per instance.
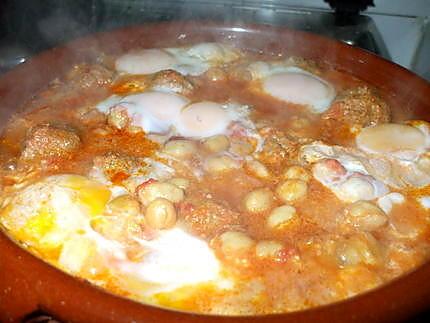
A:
(172, 80)
(278, 150)
(359, 106)
(50, 141)
(208, 219)
(164, 79)
(114, 164)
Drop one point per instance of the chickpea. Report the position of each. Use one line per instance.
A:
(356, 188)
(119, 228)
(180, 182)
(216, 144)
(259, 200)
(358, 249)
(257, 169)
(424, 163)
(297, 172)
(292, 190)
(160, 214)
(220, 164)
(281, 216)
(124, 205)
(268, 249)
(241, 148)
(167, 191)
(233, 242)
(180, 148)
(365, 216)
(348, 254)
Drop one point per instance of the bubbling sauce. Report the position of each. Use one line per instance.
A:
(205, 179)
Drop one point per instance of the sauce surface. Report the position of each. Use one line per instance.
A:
(195, 187)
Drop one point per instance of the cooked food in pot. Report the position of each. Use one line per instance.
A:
(211, 179)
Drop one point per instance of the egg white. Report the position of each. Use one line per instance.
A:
(62, 200)
(402, 145)
(161, 112)
(400, 141)
(174, 259)
(153, 111)
(356, 184)
(145, 61)
(190, 60)
(293, 84)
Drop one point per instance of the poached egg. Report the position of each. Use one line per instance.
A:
(159, 112)
(293, 84)
(190, 60)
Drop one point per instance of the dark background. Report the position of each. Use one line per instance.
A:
(30, 26)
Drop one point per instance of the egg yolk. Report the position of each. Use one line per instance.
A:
(89, 193)
(202, 119)
(300, 88)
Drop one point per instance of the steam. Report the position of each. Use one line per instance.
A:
(59, 25)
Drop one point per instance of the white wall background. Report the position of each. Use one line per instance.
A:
(404, 26)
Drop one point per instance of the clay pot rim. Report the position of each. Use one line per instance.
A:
(383, 303)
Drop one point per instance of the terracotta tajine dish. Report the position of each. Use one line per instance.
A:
(28, 284)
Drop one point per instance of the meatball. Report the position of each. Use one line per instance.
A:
(166, 79)
(359, 106)
(50, 141)
(278, 149)
(172, 80)
(112, 164)
(208, 219)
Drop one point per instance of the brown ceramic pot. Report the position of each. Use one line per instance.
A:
(27, 283)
